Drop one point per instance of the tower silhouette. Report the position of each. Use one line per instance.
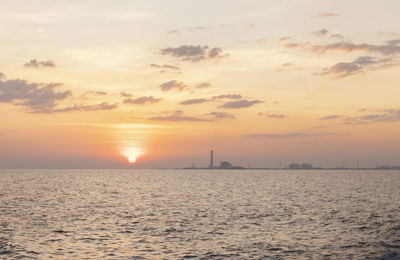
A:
(211, 160)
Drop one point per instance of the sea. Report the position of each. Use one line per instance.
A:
(200, 214)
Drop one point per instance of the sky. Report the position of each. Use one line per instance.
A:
(90, 84)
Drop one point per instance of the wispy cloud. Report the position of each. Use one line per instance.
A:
(321, 15)
(331, 117)
(194, 101)
(173, 84)
(337, 35)
(277, 116)
(88, 93)
(98, 107)
(194, 53)
(388, 48)
(240, 104)
(124, 94)
(199, 28)
(178, 116)
(40, 64)
(221, 115)
(388, 115)
(379, 116)
(288, 66)
(204, 100)
(286, 38)
(290, 135)
(321, 33)
(165, 67)
(360, 65)
(142, 100)
(176, 32)
(261, 41)
(228, 96)
(389, 55)
(203, 85)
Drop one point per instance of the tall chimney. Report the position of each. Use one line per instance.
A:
(211, 159)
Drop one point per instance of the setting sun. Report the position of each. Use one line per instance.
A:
(132, 159)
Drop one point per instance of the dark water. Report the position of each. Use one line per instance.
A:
(122, 214)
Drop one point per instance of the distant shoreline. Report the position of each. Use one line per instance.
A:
(280, 169)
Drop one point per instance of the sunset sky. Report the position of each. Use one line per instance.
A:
(91, 83)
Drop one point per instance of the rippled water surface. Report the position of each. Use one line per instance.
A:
(176, 214)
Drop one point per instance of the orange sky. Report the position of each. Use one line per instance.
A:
(264, 83)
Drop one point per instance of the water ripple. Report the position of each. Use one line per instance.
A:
(144, 214)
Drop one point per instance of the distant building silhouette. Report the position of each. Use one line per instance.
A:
(294, 166)
(300, 166)
(225, 165)
(211, 159)
(306, 166)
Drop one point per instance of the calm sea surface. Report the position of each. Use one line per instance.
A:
(173, 214)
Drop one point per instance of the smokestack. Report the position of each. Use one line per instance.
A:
(211, 159)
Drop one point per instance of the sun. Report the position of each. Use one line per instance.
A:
(132, 153)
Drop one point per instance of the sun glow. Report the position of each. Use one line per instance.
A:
(132, 154)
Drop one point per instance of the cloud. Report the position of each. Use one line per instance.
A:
(87, 93)
(282, 39)
(288, 66)
(37, 97)
(199, 28)
(385, 115)
(390, 51)
(142, 100)
(203, 85)
(124, 94)
(360, 65)
(388, 115)
(240, 104)
(262, 41)
(165, 67)
(98, 107)
(337, 35)
(194, 53)
(277, 116)
(203, 100)
(221, 115)
(173, 84)
(173, 32)
(228, 96)
(389, 48)
(38, 64)
(325, 15)
(321, 33)
(178, 116)
(289, 135)
(194, 101)
(331, 117)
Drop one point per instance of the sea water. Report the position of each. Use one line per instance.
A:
(206, 214)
